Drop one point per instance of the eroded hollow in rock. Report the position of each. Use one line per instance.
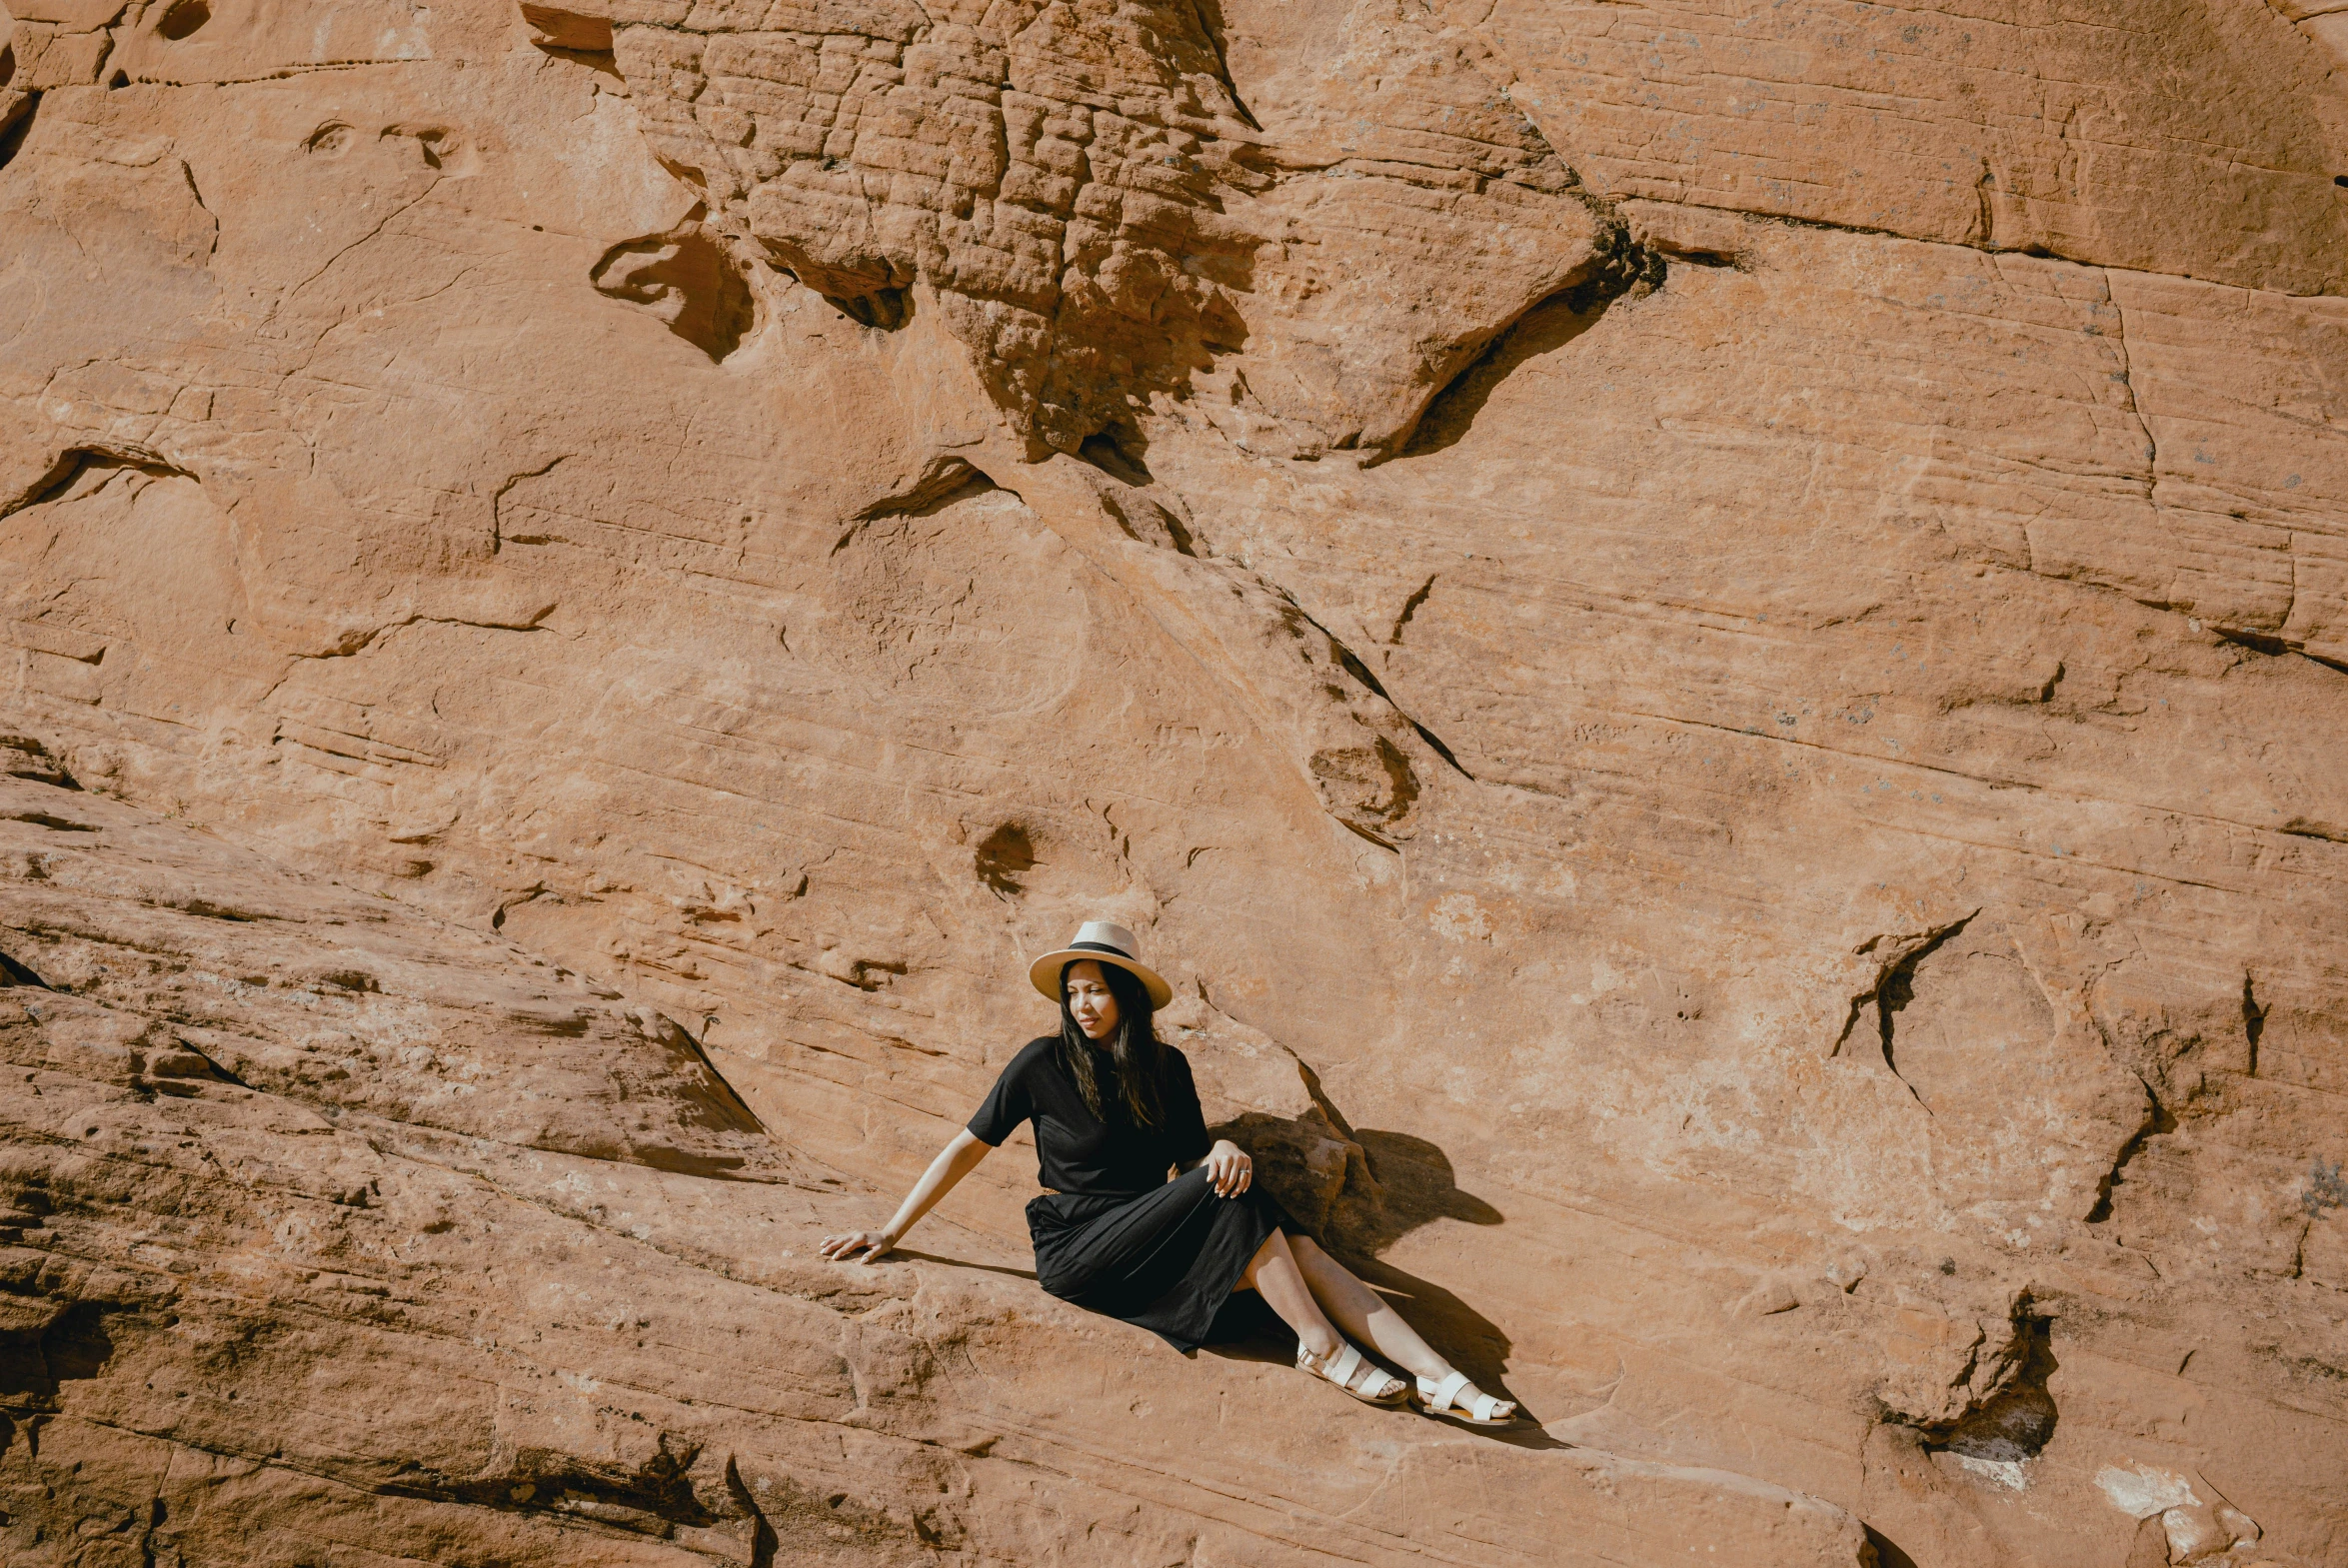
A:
(1375, 782)
(22, 757)
(16, 120)
(885, 309)
(77, 464)
(15, 973)
(183, 19)
(435, 146)
(2017, 1423)
(1115, 451)
(686, 279)
(1004, 856)
(74, 1345)
(560, 31)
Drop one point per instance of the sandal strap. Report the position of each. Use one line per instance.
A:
(1349, 1369)
(1487, 1406)
(1443, 1395)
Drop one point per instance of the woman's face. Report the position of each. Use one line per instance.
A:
(1089, 1000)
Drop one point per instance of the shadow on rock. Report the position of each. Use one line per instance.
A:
(1361, 1192)
(45, 1343)
(961, 1262)
(1546, 328)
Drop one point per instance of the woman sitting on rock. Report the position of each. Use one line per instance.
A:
(1193, 1260)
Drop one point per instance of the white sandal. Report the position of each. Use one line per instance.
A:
(1441, 1400)
(1356, 1374)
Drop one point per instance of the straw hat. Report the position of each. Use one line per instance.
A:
(1102, 942)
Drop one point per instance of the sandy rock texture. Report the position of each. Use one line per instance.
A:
(1711, 641)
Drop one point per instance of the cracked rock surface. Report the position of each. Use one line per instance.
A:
(1708, 643)
(1100, 219)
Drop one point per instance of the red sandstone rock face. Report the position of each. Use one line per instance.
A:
(1748, 814)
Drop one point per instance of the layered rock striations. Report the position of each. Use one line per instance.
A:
(1710, 642)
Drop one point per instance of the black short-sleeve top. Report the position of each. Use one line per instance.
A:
(1077, 1151)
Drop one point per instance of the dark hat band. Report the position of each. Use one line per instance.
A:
(1100, 946)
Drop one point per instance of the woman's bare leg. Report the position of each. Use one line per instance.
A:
(1363, 1312)
(1273, 1276)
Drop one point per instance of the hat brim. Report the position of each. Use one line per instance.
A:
(1043, 973)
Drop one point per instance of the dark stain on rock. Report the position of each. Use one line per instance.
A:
(1004, 856)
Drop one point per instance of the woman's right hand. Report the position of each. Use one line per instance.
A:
(872, 1244)
(1230, 1171)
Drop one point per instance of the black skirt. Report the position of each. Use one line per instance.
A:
(1167, 1261)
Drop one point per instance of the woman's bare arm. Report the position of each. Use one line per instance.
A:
(957, 1159)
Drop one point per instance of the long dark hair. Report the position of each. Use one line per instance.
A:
(1133, 1046)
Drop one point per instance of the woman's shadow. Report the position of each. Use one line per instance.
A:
(1390, 1184)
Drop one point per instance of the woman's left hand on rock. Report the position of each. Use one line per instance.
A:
(872, 1244)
